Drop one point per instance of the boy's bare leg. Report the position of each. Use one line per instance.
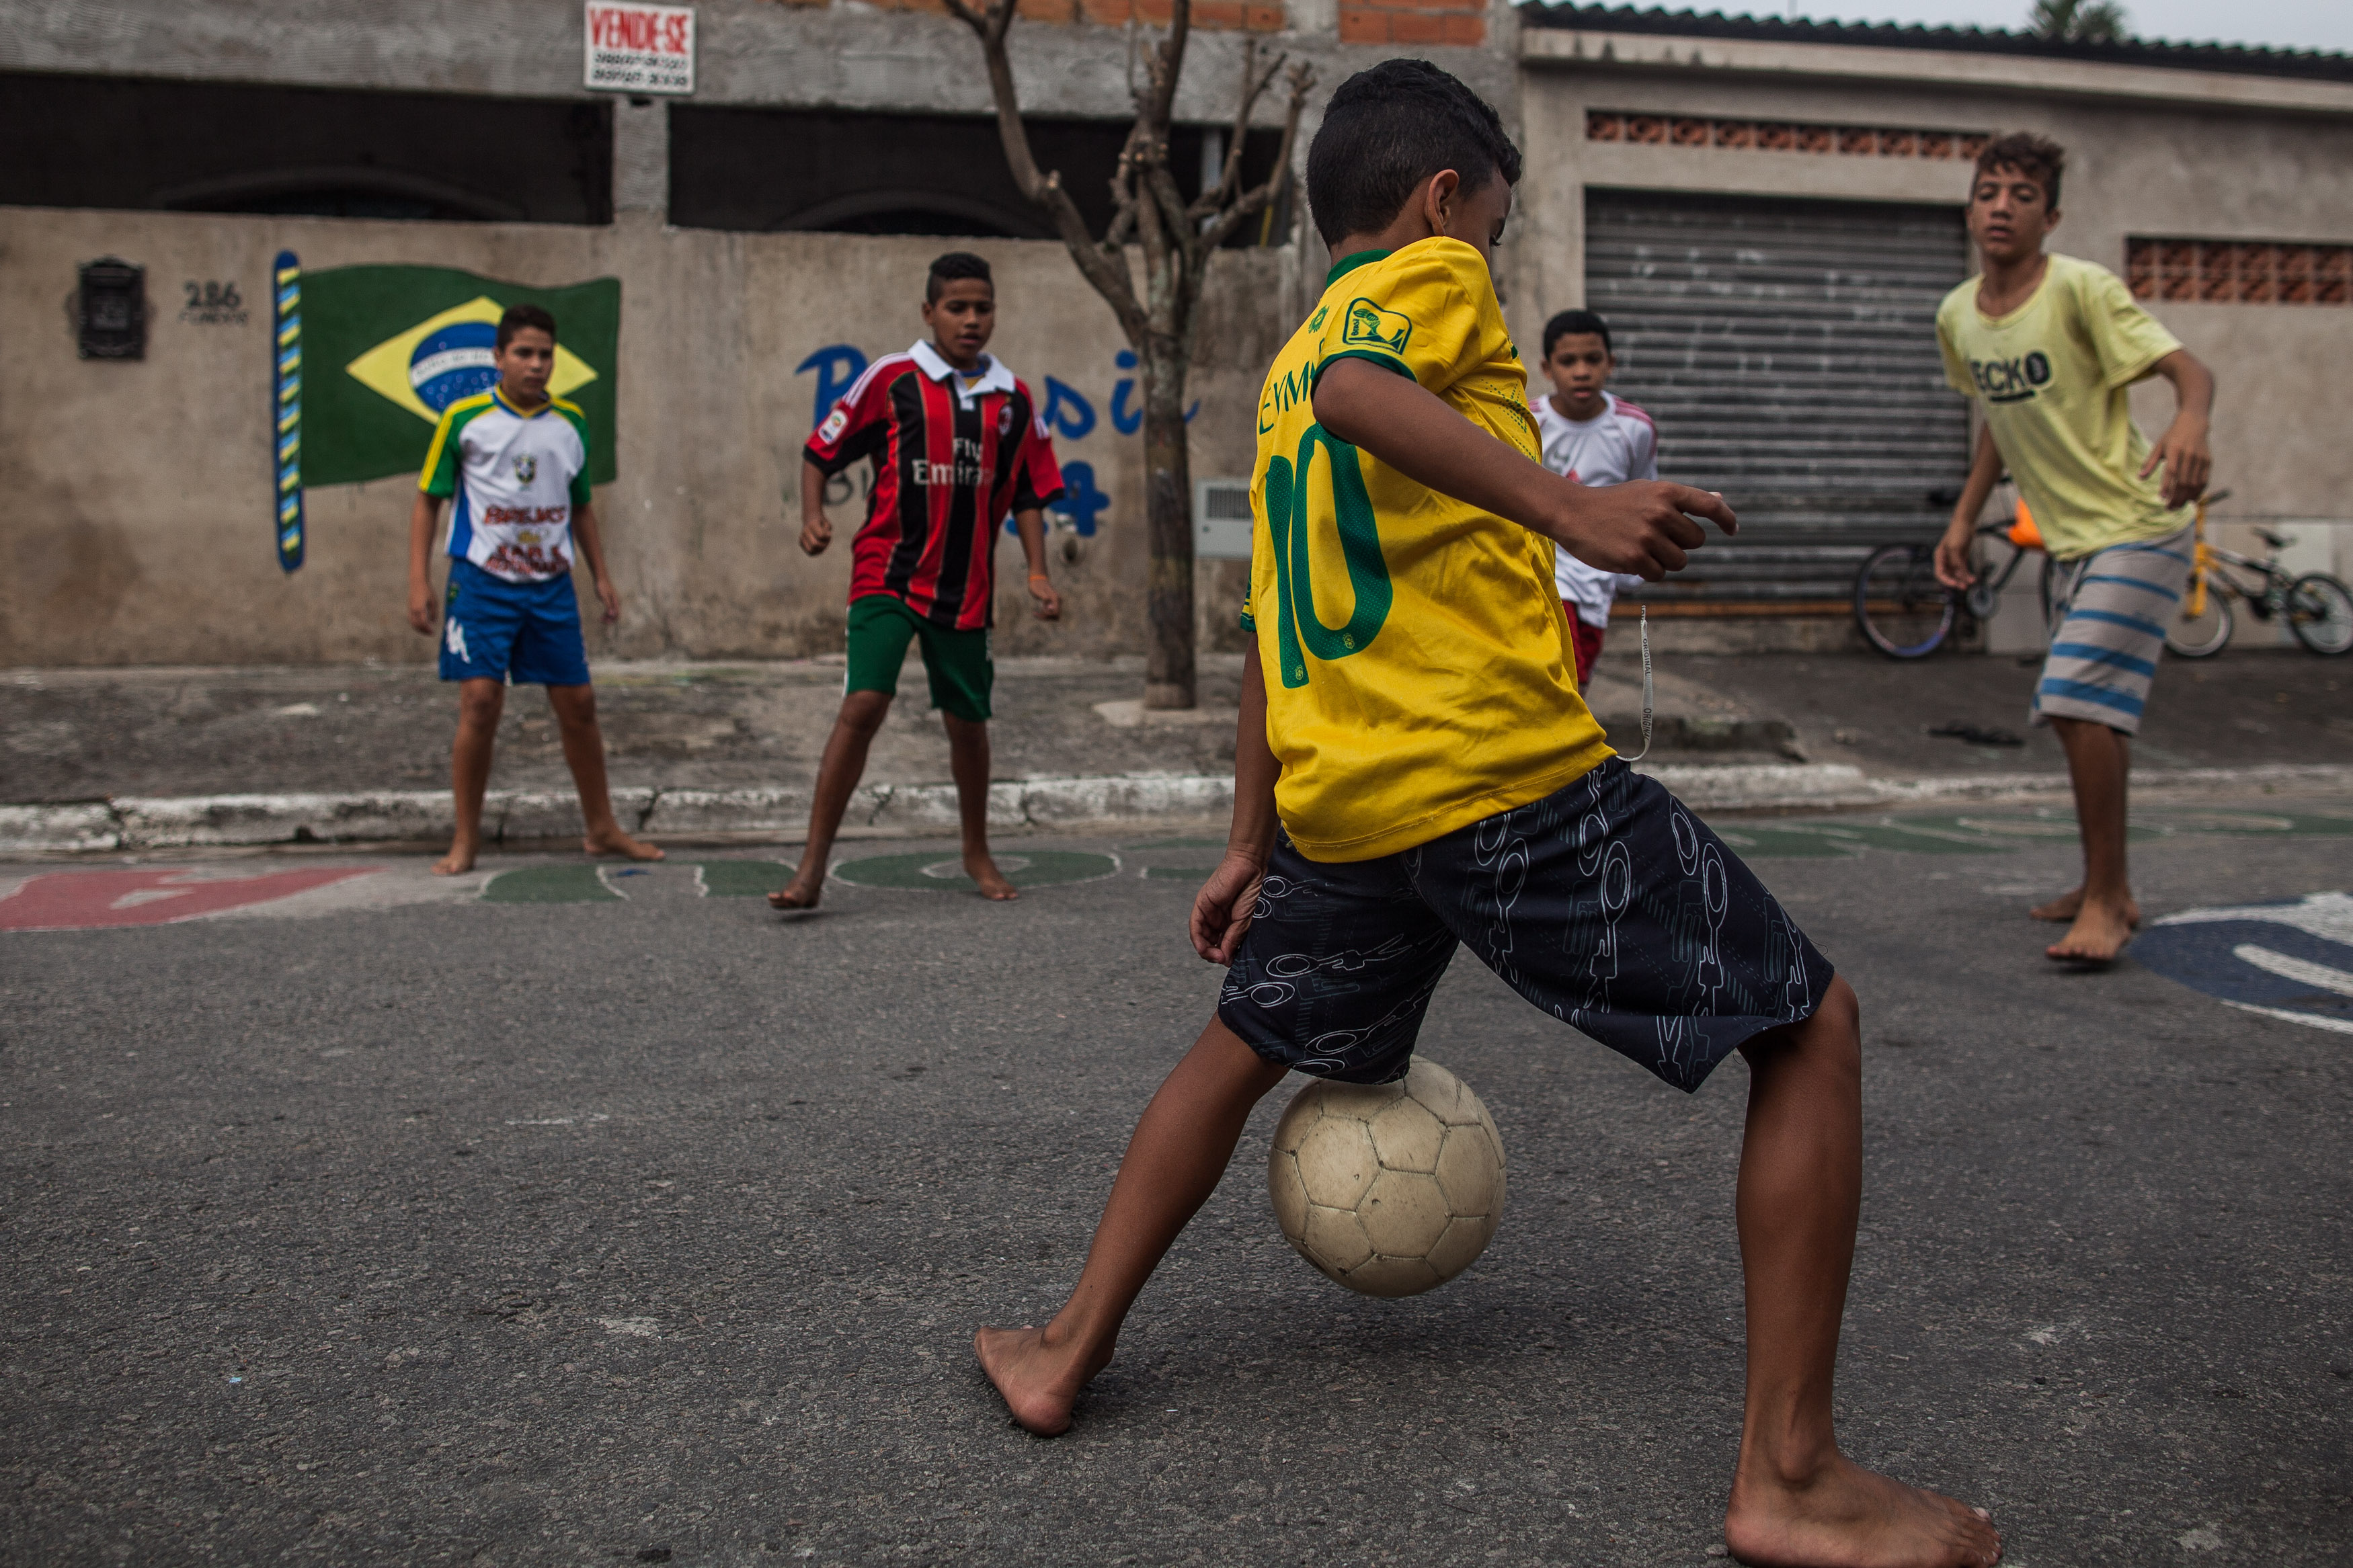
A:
(968, 763)
(1796, 1499)
(479, 703)
(584, 751)
(837, 774)
(1181, 1147)
(2101, 913)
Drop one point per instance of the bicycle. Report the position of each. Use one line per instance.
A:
(2319, 608)
(1905, 612)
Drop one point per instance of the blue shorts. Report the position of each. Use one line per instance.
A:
(1606, 904)
(527, 634)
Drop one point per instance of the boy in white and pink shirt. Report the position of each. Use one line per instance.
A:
(1595, 437)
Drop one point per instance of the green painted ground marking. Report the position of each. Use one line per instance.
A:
(2255, 824)
(741, 879)
(1177, 873)
(559, 884)
(933, 873)
(1785, 844)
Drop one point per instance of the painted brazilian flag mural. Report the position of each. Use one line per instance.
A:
(389, 348)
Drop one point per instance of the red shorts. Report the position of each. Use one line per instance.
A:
(1585, 641)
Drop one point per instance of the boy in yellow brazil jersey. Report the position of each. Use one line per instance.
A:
(1414, 771)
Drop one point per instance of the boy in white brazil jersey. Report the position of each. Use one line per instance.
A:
(516, 461)
(1595, 437)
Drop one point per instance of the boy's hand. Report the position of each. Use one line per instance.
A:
(1953, 556)
(1644, 528)
(1049, 607)
(1228, 903)
(2188, 463)
(420, 608)
(817, 532)
(610, 598)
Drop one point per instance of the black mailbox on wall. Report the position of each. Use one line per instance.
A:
(111, 311)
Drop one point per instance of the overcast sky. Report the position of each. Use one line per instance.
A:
(2290, 23)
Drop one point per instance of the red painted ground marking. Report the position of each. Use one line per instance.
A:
(80, 901)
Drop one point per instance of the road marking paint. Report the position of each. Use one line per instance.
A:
(2280, 964)
(85, 900)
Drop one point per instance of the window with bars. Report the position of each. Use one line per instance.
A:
(2240, 272)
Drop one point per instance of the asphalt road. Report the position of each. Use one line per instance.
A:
(385, 1224)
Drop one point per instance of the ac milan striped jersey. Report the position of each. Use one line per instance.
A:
(953, 455)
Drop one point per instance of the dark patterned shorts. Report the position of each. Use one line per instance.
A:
(1607, 904)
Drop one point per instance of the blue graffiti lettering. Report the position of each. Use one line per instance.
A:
(1081, 501)
(838, 369)
(1126, 418)
(1068, 413)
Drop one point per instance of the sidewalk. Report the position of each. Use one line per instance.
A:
(113, 759)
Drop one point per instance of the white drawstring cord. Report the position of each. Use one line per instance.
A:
(1646, 687)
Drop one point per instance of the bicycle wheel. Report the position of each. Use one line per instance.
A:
(1902, 609)
(2206, 636)
(2320, 612)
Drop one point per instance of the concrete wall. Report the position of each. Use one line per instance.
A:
(139, 525)
(846, 55)
(2190, 167)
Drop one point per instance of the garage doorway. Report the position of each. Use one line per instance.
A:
(1787, 350)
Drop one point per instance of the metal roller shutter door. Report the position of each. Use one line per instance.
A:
(1787, 350)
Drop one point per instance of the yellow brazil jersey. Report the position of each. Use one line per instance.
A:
(1417, 667)
(2051, 376)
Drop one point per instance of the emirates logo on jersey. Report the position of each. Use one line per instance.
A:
(526, 468)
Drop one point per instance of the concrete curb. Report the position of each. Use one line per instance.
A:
(1064, 804)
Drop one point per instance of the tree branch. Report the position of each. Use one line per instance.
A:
(1251, 203)
(1100, 266)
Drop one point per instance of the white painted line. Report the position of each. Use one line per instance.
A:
(2337, 1026)
(2301, 970)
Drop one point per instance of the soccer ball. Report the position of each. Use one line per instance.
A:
(1388, 1188)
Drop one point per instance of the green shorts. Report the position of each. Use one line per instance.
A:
(957, 662)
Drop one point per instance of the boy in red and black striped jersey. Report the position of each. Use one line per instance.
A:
(956, 444)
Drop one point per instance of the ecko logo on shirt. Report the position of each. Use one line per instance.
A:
(2010, 380)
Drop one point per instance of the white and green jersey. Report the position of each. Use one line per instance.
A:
(516, 478)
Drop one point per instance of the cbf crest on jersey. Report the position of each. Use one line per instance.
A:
(389, 348)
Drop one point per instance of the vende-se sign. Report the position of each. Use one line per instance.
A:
(640, 49)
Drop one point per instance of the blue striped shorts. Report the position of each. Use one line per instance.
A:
(2111, 608)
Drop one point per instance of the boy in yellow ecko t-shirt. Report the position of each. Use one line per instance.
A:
(1414, 769)
(2048, 346)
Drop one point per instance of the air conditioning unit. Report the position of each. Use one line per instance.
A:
(1222, 520)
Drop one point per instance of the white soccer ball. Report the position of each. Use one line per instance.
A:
(1388, 1188)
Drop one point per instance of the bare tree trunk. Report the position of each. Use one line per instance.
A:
(1178, 240)
(1168, 668)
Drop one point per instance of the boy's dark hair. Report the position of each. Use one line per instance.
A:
(1570, 323)
(518, 316)
(2038, 158)
(948, 268)
(1387, 131)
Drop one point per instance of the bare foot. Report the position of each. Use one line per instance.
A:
(800, 893)
(2068, 905)
(1846, 1517)
(2099, 933)
(1039, 1381)
(993, 885)
(460, 858)
(613, 841)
